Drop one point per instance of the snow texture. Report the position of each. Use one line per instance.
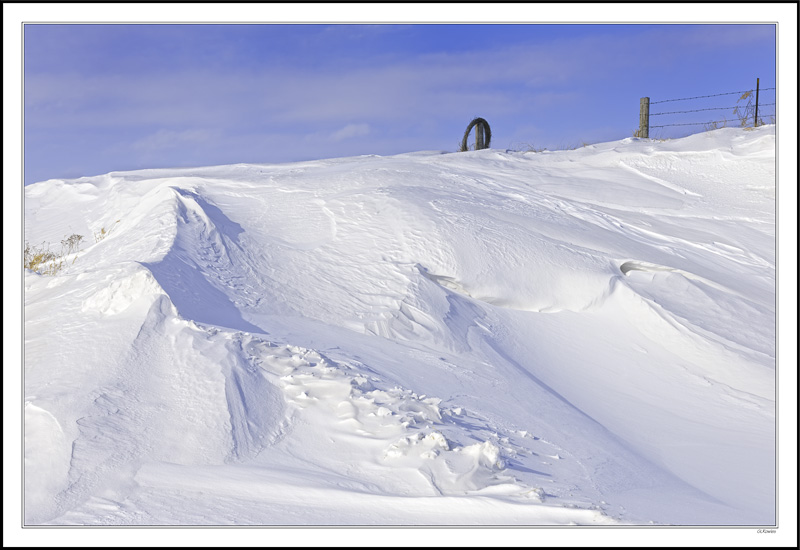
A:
(580, 337)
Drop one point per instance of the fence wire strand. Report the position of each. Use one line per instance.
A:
(704, 96)
(708, 109)
(699, 123)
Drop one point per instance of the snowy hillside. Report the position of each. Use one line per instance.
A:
(482, 338)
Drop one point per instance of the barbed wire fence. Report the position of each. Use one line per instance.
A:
(751, 109)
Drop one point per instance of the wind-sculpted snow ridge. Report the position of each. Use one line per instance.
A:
(488, 338)
(297, 425)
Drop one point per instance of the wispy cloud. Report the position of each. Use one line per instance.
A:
(350, 131)
(170, 139)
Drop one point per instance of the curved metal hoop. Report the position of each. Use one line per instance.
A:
(483, 134)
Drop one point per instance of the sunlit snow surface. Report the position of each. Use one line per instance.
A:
(483, 338)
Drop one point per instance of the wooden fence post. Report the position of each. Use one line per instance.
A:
(478, 137)
(644, 117)
(755, 118)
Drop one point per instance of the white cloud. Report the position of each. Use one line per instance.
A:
(350, 131)
(163, 139)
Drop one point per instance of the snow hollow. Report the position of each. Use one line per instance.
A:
(581, 337)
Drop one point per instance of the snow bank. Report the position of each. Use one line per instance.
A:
(494, 338)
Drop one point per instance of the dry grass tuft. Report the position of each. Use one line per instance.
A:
(46, 262)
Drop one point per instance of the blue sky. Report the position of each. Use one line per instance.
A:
(99, 98)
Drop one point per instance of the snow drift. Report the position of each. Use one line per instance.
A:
(481, 338)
